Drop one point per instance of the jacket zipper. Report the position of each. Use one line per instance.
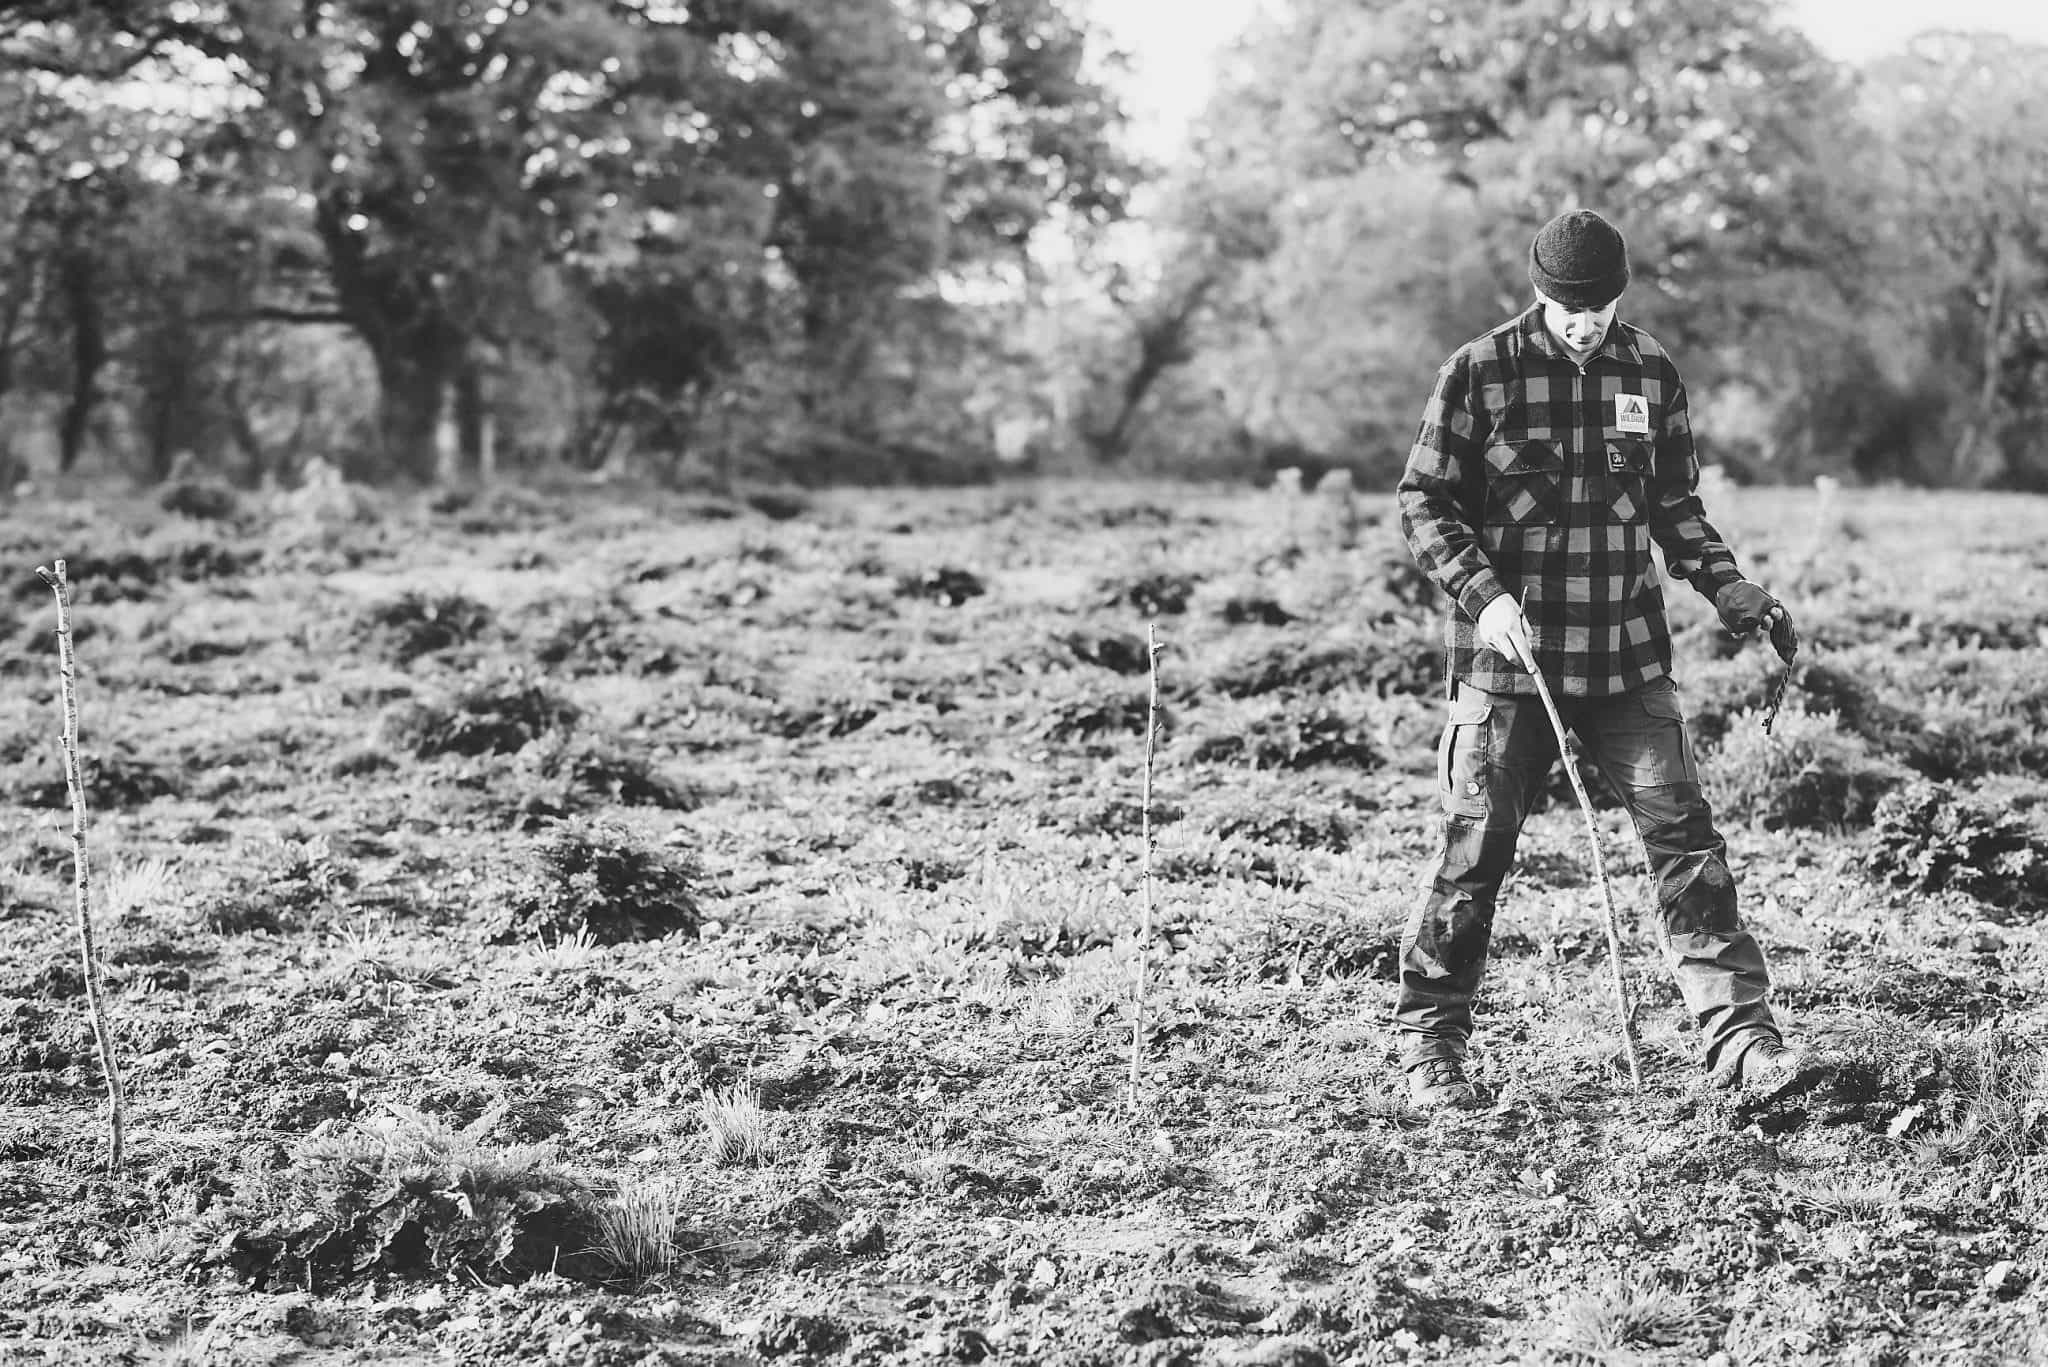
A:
(1573, 464)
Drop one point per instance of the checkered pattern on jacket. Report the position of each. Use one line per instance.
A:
(1522, 482)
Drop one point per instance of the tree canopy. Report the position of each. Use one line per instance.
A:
(811, 238)
(665, 192)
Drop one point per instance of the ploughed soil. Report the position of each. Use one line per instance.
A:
(599, 926)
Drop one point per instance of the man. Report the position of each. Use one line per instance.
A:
(1555, 451)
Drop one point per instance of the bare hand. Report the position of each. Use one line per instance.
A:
(1504, 630)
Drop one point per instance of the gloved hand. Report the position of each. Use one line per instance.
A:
(1744, 607)
(1502, 628)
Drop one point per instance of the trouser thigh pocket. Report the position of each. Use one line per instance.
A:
(1464, 758)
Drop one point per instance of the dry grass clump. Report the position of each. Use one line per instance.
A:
(1807, 773)
(409, 1194)
(416, 624)
(1930, 837)
(735, 1127)
(496, 717)
(1846, 1199)
(2004, 1084)
(1615, 1323)
(594, 878)
(636, 1230)
(135, 887)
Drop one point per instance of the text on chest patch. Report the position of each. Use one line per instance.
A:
(1632, 414)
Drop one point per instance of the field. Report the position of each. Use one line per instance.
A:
(596, 926)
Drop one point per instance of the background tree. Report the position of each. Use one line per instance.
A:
(1378, 167)
(658, 195)
(1964, 127)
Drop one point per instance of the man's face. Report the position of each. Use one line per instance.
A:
(1579, 329)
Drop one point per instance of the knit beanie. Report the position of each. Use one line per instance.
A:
(1579, 260)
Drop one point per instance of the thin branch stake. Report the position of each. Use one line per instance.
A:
(1570, 757)
(1145, 826)
(95, 986)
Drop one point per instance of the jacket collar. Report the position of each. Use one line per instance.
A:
(1618, 345)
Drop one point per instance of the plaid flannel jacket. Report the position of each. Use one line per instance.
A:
(1536, 478)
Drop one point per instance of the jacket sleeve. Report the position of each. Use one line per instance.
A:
(1693, 549)
(1435, 522)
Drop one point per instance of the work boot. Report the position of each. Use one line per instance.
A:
(1769, 1068)
(1440, 1084)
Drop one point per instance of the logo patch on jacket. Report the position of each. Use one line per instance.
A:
(1632, 414)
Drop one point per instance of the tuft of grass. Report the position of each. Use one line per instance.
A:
(2005, 1086)
(735, 1126)
(145, 885)
(576, 952)
(1613, 1324)
(371, 950)
(1846, 1199)
(160, 1245)
(636, 1230)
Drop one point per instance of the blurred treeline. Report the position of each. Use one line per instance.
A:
(424, 237)
(1850, 265)
(894, 239)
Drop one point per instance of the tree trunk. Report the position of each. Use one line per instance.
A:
(411, 392)
(1977, 459)
(79, 279)
(1163, 343)
(474, 429)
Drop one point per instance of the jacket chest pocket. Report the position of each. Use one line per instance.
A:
(1626, 480)
(1524, 484)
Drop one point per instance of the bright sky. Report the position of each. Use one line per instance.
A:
(1172, 43)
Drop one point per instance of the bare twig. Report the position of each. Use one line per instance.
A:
(1571, 767)
(95, 986)
(1145, 826)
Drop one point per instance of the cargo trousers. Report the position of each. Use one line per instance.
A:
(1497, 751)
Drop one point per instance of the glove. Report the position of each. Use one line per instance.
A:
(1503, 629)
(1744, 607)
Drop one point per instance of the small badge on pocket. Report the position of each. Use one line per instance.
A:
(1617, 460)
(1632, 414)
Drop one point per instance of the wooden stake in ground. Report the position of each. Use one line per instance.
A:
(1571, 767)
(1145, 826)
(81, 881)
